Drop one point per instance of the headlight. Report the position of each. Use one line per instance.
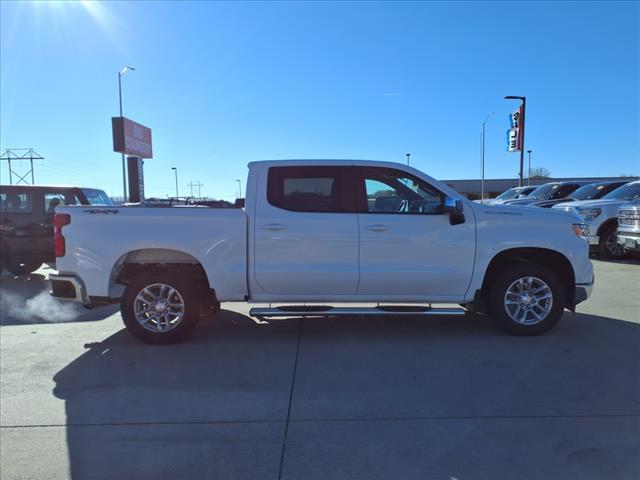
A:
(589, 213)
(581, 229)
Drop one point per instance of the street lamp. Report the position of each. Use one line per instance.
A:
(175, 170)
(408, 155)
(124, 178)
(482, 181)
(529, 175)
(521, 126)
(239, 188)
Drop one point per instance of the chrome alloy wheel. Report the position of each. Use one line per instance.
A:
(528, 300)
(159, 308)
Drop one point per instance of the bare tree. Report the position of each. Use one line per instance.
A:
(540, 172)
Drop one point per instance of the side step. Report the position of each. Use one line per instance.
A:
(328, 311)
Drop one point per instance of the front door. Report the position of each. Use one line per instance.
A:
(306, 234)
(408, 247)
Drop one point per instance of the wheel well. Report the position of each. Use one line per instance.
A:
(179, 263)
(540, 256)
(607, 224)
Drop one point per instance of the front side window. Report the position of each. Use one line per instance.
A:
(53, 200)
(306, 189)
(393, 191)
(97, 197)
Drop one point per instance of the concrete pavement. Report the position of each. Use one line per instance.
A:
(438, 398)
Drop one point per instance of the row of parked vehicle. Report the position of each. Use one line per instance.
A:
(609, 210)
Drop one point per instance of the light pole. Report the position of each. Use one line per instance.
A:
(482, 181)
(521, 132)
(175, 171)
(239, 188)
(408, 155)
(124, 177)
(529, 174)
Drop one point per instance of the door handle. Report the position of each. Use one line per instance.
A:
(274, 227)
(376, 228)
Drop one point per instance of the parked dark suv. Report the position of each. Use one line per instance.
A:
(26, 222)
(548, 191)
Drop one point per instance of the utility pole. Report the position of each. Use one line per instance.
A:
(520, 132)
(21, 154)
(124, 174)
(408, 155)
(529, 174)
(482, 181)
(175, 170)
(195, 184)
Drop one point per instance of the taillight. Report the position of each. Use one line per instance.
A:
(59, 221)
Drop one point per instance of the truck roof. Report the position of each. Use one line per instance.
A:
(328, 162)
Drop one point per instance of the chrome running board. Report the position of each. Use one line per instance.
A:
(328, 311)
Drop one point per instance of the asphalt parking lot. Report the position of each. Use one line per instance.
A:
(443, 398)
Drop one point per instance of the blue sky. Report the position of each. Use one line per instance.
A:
(222, 84)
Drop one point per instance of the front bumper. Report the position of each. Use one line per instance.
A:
(630, 240)
(582, 292)
(593, 239)
(68, 287)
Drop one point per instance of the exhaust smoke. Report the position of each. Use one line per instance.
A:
(42, 307)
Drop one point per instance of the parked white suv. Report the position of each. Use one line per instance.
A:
(318, 232)
(600, 218)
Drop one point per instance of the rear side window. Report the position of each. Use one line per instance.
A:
(13, 202)
(307, 189)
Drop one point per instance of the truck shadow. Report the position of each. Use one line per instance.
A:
(25, 299)
(173, 404)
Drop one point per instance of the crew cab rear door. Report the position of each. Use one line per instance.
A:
(408, 247)
(305, 233)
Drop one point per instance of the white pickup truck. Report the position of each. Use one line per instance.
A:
(315, 233)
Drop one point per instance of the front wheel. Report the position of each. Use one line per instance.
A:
(526, 299)
(160, 308)
(609, 247)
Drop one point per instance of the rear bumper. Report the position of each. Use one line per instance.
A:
(68, 287)
(583, 291)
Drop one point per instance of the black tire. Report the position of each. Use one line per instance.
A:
(185, 289)
(20, 267)
(609, 247)
(496, 294)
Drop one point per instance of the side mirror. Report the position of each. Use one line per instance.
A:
(455, 210)
(451, 205)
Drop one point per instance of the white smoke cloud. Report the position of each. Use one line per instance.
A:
(42, 307)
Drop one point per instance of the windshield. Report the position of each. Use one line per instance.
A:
(97, 197)
(509, 194)
(588, 192)
(630, 191)
(544, 192)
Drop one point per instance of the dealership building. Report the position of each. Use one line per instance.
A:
(494, 187)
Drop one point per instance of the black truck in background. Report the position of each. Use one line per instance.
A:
(26, 222)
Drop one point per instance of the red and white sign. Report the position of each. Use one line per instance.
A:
(131, 138)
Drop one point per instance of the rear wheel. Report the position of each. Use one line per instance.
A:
(159, 307)
(20, 267)
(526, 299)
(609, 247)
